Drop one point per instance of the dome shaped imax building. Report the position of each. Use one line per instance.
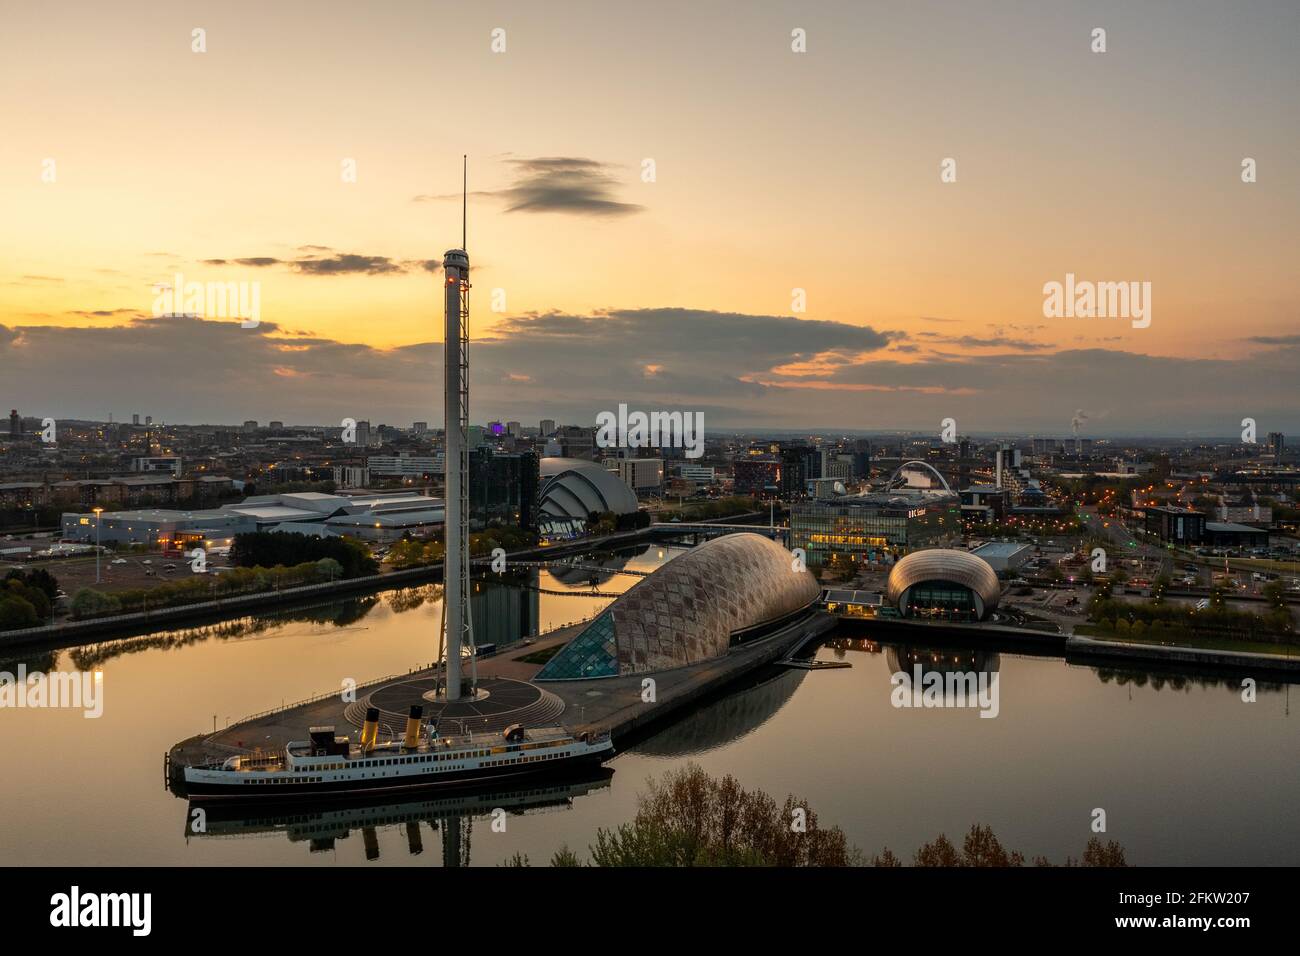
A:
(943, 582)
(731, 590)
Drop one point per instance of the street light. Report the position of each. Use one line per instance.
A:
(98, 512)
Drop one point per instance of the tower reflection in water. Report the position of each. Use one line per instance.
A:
(451, 816)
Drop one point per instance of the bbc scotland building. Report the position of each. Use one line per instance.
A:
(869, 527)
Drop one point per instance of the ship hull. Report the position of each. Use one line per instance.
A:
(209, 789)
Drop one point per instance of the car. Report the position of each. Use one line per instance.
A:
(118, 561)
(146, 561)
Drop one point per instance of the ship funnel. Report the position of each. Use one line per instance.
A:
(370, 732)
(413, 727)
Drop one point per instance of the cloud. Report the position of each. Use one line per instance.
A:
(740, 370)
(334, 263)
(103, 313)
(346, 263)
(560, 184)
(986, 341)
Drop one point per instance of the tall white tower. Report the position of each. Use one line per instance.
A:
(455, 572)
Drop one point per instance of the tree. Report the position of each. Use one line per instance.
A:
(1109, 854)
(15, 612)
(691, 819)
(38, 578)
(89, 603)
(270, 549)
(329, 569)
(938, 852)
(15, 588)
(981, 848)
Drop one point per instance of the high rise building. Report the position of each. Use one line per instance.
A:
(15, 422)
(645, 476)
(800, 464)
(576, 442)
(1276, 445)
(503, 488)
(547, 427)
(862, 458)
(760, 477)
(1006, 461)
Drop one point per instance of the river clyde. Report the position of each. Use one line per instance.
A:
(1186, 771)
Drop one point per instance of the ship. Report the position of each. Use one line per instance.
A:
(327, 765)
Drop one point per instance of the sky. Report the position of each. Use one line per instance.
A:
(795, 260)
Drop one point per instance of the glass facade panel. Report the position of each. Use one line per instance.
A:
(593, 653)
(863, 530)
(942, 599)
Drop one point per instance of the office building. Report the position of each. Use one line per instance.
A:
(1176, 525)
(503, 488)
(873, 527)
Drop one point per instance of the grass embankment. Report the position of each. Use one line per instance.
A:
(1172, 638)
(542, 656)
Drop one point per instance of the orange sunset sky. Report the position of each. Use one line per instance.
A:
(775, 170)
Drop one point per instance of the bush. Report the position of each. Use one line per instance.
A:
(89, 603)
(327, 569)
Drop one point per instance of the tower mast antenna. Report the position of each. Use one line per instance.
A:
(457, 617)
(464, 201)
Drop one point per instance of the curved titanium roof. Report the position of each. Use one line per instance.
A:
(945, 564)
(687, 610)
(574, 488)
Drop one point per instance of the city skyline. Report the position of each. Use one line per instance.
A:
(924, 298)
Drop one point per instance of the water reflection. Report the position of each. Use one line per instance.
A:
(741, 712)
(941, 660)
(337, 615)
(1175, 681)
(450, 817)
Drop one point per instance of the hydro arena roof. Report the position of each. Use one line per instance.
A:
(574, 488)
(736, 586)
(945, 564)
